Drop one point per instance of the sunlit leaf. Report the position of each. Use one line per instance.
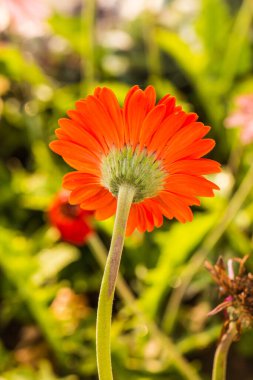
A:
(20, 68)
(53, 260)
(190, 61)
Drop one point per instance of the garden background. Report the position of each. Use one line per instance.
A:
(51, 54)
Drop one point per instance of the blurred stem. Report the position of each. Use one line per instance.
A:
(152, 49)
(236, 153)
(104, 313)
(221, 354)
(100, 253)
(88, 37)
(183, 367)
(209, 243)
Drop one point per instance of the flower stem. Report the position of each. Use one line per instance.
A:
(104, 313)
(100, 253)
(173, 354)
(220, 358)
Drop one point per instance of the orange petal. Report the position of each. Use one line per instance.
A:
(80, 136)
(191, 117)
(98, 113)
(141, 222)
(132, 220)
(151, 97)
(184, 138)
(60, 134)
(111, 104)
(97, 91)
(189, 184)
(135, 112)
(199, 148)
(76, 179)
(125, 106)
(85, 123)
(154, 209)
(170, 102)
(151, 123)
(67, 149)
(167, 130)
(97, 120)
(101, 199)
(83, 166)
(107, 211)
(80, 194)
(172, 203)
(197, 167)
(147, 216)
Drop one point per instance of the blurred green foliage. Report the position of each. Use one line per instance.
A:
(202, 53)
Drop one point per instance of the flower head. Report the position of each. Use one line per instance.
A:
(242, 117)
(71, 221)
(155, 148)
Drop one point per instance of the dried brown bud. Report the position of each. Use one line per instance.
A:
(236, 289)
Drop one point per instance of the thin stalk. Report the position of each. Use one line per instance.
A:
(88, 45)
(180, 363)
(151, 47)
(221, 354)
(99, 251)
(209, 243)
(104, 313)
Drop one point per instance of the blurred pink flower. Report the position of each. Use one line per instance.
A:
(242, 117)
(24, 17)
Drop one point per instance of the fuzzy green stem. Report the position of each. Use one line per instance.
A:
(104, 312)
(221, 354)
(100, 253)
(183, 367)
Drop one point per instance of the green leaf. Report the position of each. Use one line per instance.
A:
(213, 26)
(69, 28)
(236, 52)
(20, 68)
(192, 63)
(53, 260)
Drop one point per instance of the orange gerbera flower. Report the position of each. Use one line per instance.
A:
(155, 148)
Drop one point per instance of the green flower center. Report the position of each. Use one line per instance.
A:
(137, 169)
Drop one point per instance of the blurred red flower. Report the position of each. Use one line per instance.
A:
(72, 222)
